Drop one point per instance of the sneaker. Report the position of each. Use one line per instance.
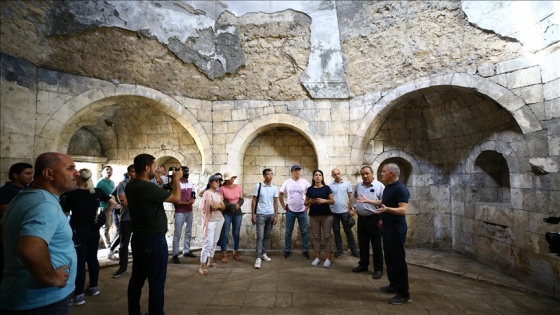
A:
(93, 291)
(287, 254)
(119, 273)
(78, 300)
(316, 262)
(356, 254)
(258, 263)
(265, 257)
(327, 263)
(306, 255)
(111, 255)
(388, 289)
(189, 254)
(398, 300)
(175, 259)
(337, 254)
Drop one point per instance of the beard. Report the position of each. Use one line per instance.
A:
(151, 175)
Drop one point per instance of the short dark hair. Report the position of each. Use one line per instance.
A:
(108, 166)
(17, 169)
(266, 170)
(367, 166)
(141, 161)
(129, 168)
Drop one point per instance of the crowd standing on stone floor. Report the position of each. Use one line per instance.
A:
(53, 219)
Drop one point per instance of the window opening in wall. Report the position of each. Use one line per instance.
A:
(491, 178)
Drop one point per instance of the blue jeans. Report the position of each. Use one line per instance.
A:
(87, 253)
(182, 219)
(229, 220)
(337, 219)
(149, 261)
(264, 228)
(290, 222)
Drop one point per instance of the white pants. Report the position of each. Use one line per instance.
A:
(211, 239)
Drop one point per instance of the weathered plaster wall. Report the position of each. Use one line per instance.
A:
(324, 49)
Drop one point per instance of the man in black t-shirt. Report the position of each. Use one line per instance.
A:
(394, 207)
(21, 175)
(149, 225)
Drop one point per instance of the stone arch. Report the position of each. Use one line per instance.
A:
(170, 153)
(73, 114)
(377, 115)
(249, 132)
(498, 146)
(391, 154)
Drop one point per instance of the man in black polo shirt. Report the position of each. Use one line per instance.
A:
(149, 225)
(393, 210)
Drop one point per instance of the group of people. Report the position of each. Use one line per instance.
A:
(50, 230)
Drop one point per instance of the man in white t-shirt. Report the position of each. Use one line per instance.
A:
(295, 188)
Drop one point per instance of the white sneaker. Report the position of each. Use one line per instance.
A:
(258, 263)
(316, 262)
(327, 263)
(265, 257)
(111, 255)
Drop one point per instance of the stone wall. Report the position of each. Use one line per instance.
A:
(432, 93)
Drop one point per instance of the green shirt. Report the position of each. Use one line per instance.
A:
(107, 186)
(145, 204)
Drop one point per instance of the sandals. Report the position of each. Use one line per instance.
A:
(236, 257)
(224, 258)
(202, 272)
(216, 265)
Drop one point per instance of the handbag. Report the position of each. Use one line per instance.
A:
(257, 203)
(100, 220)
(351, 222)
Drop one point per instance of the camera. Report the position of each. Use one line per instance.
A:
(173, 169)
(169, 185)
(553, 238)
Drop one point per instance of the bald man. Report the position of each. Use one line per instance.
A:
(342, 211)
(40, 260)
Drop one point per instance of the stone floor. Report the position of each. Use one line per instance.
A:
(441, 282)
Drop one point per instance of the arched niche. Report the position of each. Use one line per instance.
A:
(493, 185)
(435, 92)
(85, 110)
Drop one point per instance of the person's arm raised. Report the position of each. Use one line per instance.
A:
(176, 193)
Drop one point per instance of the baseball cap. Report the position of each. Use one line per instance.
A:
(295, 167)
(214, 177)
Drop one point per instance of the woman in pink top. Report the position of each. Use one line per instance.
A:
(212, 221)
(233, 199)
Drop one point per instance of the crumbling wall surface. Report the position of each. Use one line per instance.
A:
(387, 43)
(258, 56)
(250, 55)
